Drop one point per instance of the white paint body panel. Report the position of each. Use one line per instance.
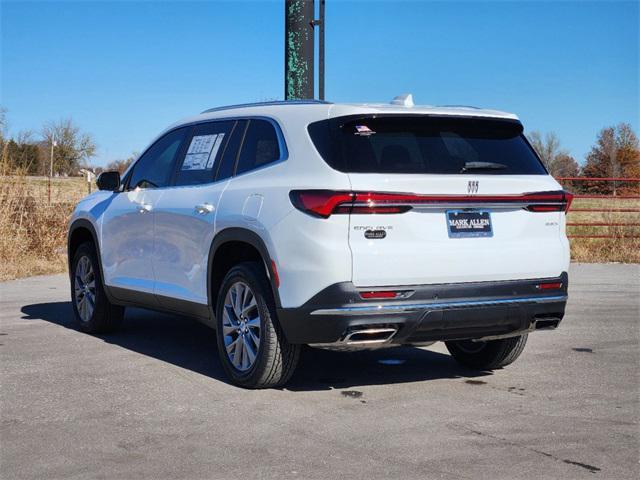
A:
(418, 250)
(126, 237)
(182, 237)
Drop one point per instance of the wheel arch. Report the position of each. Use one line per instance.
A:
(80, 231)
(230, 247)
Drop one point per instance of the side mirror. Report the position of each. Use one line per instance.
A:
(108, 181)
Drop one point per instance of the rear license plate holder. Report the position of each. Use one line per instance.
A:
(469, 223)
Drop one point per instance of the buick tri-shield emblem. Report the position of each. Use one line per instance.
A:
(472, 186)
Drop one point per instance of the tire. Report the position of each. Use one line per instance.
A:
(487, 355)
(245, 312)
(92, 310)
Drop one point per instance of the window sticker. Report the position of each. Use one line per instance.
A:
(202, 152)
(214, 152)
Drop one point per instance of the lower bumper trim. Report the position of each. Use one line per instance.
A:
(416, 307)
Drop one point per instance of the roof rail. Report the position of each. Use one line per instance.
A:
(265, 104)
(461, 106)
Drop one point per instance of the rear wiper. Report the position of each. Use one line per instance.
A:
(482, 166)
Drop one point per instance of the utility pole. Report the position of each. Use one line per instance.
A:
(299, 49)
(320, 22)
(53, 144)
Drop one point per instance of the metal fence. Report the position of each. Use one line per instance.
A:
(622, 211)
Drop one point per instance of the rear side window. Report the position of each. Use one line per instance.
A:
(230, 155)
(200, 159)
(154, 168)
(421, 144)
(260, 146)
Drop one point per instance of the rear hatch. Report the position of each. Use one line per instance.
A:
(443, 199)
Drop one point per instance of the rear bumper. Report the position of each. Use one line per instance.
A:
(433, 312)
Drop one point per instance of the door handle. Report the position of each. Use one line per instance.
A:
(144, 208)
(204, 208)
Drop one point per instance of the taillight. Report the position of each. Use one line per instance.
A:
(324, 203)
(548, 201)
(371, 202)
(321, 203)
(568, 199)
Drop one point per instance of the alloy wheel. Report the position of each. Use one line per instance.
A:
(241, 326)
(85, 288)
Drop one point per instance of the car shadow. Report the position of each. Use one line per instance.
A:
(186, 343)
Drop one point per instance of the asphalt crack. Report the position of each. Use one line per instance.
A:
(586, 466)
(582, 349)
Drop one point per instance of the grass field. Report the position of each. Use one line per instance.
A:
(619, 249)
(33, 232)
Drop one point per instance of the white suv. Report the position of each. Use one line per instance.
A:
(289, 223)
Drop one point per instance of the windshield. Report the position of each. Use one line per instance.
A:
(425, 144)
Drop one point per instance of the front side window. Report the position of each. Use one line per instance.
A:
(425, 144)
(201, 157)
(260, 146)
(154, 168)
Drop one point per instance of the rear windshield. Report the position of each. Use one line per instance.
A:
(425, 144)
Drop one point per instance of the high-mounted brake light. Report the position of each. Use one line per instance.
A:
(324, 203)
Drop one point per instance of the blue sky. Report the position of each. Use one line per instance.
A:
(124, 70)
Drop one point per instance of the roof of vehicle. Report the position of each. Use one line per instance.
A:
(318, 109)
(463, 110)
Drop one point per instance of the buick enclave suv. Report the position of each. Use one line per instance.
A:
(290, 223)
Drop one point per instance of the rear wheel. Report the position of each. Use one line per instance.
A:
(251, 344)
(487, 355)
(92, 310)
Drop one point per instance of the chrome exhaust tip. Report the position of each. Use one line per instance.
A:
(368, 336)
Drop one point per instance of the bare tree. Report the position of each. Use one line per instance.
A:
(4, 160)
(3, 123)
(121, 165)
(73, 147)
(548, 148)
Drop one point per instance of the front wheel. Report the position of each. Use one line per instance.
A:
(487, 355)
(92, 310)
(251, 344)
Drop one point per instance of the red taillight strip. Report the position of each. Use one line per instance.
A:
(323, 203)
(379, 294)
(383, 294)
(549, 286)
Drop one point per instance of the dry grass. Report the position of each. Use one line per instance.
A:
(592, 250)
(33, 233)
